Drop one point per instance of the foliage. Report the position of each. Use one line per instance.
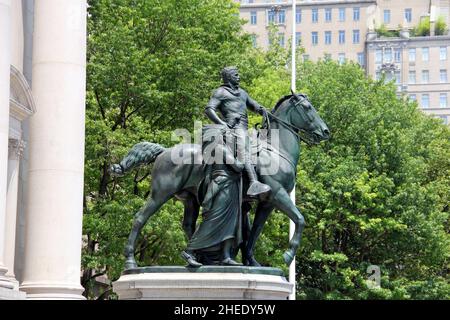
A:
(152, 66)
(423, 28)
(382, 31)
(375, 194)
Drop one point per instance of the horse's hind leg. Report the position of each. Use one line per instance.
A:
(140, 219)
(191, 210)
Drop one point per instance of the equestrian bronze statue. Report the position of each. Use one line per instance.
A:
(223, 192)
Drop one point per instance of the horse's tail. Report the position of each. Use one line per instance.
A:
(141, 153)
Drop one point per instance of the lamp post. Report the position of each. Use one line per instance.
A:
(293, 79)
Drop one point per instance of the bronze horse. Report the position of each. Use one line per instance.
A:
(295, 119)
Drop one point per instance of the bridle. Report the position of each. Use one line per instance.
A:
(301, 134)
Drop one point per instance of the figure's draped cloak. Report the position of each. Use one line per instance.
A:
(221, 215)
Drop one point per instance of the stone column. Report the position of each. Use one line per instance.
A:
(54, 202)
(15, 151)
(5, 61)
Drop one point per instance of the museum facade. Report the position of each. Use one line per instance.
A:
(42, 112)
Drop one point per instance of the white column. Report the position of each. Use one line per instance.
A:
(15, 151)
(5, 61)
(55, 177)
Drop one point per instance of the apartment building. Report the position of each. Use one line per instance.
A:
(349, 30)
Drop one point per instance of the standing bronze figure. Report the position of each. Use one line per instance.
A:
(293, 117)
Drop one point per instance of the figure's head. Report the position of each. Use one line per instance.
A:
(230, 75)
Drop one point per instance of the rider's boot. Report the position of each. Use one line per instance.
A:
(190, 259)
(256, 188)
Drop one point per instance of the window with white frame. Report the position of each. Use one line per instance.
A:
(327, 37)
(356, 14)
(341, 58)
(425, 100)
(397, 55)
(281, 39)
(443, 53)
(282, 17)
(328, 16)
(253, 17)
(314, 38)
(443, 76)
(387, 16)
(315, 15)
(378, 56)
(387, 56)
(443, 100)
(298, 16)
(341, 14)
(341, 36)
(253, 37)
(413, 97)
(355, 36)
(298, 38)
(398, 77)
(306, 57)
(408, 14)
(412, 54)
(425, 76)
(361, 59)
(412, 77)
(425, 54)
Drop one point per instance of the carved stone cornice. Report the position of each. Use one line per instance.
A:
(16, 148)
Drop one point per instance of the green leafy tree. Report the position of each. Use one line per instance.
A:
(375, 194)
(152, 66)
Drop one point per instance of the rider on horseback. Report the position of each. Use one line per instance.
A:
(232, 102)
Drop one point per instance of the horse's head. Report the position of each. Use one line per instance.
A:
(303, 116)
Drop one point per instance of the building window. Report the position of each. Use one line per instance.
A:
(298, 38)
(378, 75)
(341, 14)
(315, 15)
(356, 14)
(387, 55)
(378, 56)
(253, 17)
(425, 101)
(425, 54)
(397, 55)
(412, 97)
(327, 57)
(443, 76)
(387, 16)
(281, 39)
(355, 36)
(253, 37)
(314, 38)
(443, 53)
(328, 14)
(443, 100)
(408, 15)
(361, 59)
(341, 36)
(425, 76)
(341, 58)
(327, 37)
(271, 16)
(298, 16)
(412, 77)
(306, 57)
(397, 77)
(444, 119)
(412, 54)
(282, 17)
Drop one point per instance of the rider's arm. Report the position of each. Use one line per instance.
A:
(212, 106)
(255, 106)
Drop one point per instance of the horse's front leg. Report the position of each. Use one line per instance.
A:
(284, 203)
(262, 213)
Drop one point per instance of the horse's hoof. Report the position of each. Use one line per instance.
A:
(130, 264)
(288, 257)
(253, 263)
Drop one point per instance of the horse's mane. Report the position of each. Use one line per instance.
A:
(280, 102)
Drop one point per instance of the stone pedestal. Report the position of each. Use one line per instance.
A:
(204, 283)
